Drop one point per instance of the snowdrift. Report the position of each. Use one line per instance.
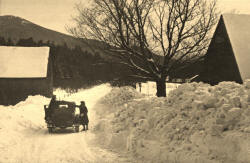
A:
(24, 137)
(119, 96)
(196, 123)
(19, 121)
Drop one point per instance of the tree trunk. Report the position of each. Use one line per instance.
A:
(161, 88)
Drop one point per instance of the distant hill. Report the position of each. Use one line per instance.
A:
(16, 28)
(76, 62)
(89, 63)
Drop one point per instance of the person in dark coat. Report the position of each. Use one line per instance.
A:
(84, 115)
(52, 106)
(52, 101)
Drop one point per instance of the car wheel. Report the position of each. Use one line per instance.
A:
(50, 129)
(76, 128)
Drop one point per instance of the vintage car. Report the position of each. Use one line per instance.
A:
(62, 115)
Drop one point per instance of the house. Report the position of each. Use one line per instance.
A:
(228, 56)
(24, 71)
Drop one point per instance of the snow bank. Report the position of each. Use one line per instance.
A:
(197, 122)
(24, 137)
(31, 111)
(119, 96)
(18, 121)
(28, 110)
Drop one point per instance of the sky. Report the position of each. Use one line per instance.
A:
(55, 14)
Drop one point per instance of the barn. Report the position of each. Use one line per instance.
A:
(24, 71)
(228, 56)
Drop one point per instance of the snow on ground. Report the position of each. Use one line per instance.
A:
(24, 137)
(195, 123)
(149, 88)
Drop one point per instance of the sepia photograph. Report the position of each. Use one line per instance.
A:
(124, 81)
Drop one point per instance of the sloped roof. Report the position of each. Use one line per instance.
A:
(238, 29)
(23, 62)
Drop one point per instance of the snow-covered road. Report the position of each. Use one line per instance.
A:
(24, 137)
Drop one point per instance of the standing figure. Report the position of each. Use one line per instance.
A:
(51, 107)
(52, 101)
(84, 115)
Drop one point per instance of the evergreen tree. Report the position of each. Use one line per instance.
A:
(26, 42)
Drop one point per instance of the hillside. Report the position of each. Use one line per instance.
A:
(16, 28)
(68, 57)
(77, 63)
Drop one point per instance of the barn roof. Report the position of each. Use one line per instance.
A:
(238, 29)
(23, 62)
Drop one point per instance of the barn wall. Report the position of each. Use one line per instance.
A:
(50, 78)
(220, 63)
(15, 90)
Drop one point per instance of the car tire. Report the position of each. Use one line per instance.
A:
(76, 128)
(50, 129)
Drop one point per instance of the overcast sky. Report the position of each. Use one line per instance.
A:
(55, 14)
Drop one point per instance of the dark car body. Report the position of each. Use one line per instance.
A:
(62, 115)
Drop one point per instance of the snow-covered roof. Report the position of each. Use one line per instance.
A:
(23, 62)
(238, 29)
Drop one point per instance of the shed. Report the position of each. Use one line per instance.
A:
(24, 71)
(228, 56)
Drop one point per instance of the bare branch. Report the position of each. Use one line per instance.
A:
(139, 32)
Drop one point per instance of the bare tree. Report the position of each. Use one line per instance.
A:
(140, 32)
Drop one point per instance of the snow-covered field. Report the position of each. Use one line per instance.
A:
(24, 137)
